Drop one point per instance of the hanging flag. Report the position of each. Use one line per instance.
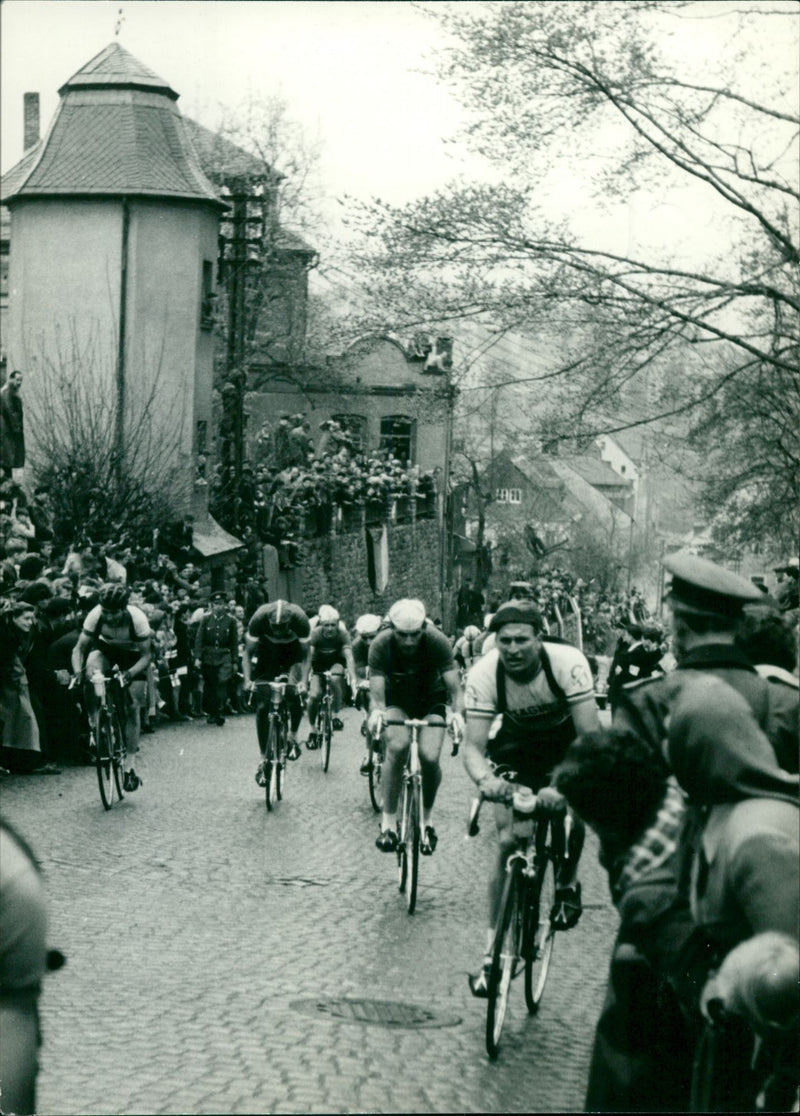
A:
(377, 539)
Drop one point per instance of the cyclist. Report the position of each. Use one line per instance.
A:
(116, 633)
(366, 628)
(412, 675)
(526, 701)
(330, 650)
(276, 643)
(466, 652)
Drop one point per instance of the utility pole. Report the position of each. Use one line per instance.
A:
(242, 247)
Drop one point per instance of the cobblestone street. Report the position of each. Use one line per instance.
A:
(205, 938)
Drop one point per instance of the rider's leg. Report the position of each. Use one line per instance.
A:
(568, 867)
(430, 749)
(505, 845)
(337, 686)
(96, 663)
(295, 714)
(396, 741)
(314, 696)
(136, 698)
(262, 719)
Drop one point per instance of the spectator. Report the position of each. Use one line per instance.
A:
(620, 787)
(21, 749)
(12, 426)
(23, 963)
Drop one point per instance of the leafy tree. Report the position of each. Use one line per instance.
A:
(585, 113)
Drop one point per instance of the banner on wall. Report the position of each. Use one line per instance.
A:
(377, 558)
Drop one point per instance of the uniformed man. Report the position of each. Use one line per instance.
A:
(215, 651)
(707, 604)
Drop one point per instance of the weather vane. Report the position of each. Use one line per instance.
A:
(119, 23)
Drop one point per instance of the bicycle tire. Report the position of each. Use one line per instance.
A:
(538, 937)
(270, 764)
(375, 784)
(104, 760)
(505, 951)
(412, 851)
(327, 736)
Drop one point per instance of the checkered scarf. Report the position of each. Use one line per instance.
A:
(656, 844)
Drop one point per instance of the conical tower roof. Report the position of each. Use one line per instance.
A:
(117, 131)
(116, 66)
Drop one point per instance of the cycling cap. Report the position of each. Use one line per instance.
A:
(113, 598)
(407, 615)
(327, 615)
(471, 632)
(517, 612)
(368, 624)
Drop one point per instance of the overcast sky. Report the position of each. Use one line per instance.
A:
(346, 68)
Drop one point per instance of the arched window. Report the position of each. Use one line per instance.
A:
(356, 427)
(397, 437)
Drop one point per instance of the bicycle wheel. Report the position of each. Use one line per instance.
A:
(505, 952)
(375, 784)
(271, 764)
(538, 935)
(104, 759)
(412, 842)
(327, 734)
(280, 766)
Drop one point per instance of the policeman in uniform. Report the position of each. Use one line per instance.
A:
(707, 604)
(215, 650)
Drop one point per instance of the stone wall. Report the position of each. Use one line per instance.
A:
(334, 570)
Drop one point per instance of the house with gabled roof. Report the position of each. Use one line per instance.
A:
(113, 261)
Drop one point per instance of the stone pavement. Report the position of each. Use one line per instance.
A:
(202, 933)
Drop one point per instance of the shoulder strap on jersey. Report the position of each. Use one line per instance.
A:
(501, 686)
(547, 667)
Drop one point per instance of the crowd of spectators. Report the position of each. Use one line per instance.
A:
(45, 593)
(295, 487)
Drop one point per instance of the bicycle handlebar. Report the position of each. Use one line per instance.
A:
(523, 802)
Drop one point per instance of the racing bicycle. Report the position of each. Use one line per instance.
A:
(524, 934)
(323, 726)
(409, 817)
(273, 764)
(109, 739)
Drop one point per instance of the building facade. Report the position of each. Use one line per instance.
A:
(113, 258)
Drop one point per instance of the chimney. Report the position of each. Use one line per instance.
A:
(30, 112)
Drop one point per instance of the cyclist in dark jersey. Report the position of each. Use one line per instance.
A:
(525, 703)
(412, 675)
(276, 643)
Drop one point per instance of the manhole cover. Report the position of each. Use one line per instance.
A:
(381, 1013)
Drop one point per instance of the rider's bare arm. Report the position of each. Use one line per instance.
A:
(585, 717)
(142, 663)
(455, 694)
(250, 644)
(79, 652)
(476, 763)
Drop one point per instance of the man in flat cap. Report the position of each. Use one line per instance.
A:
(707, 603)
(216, 650)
